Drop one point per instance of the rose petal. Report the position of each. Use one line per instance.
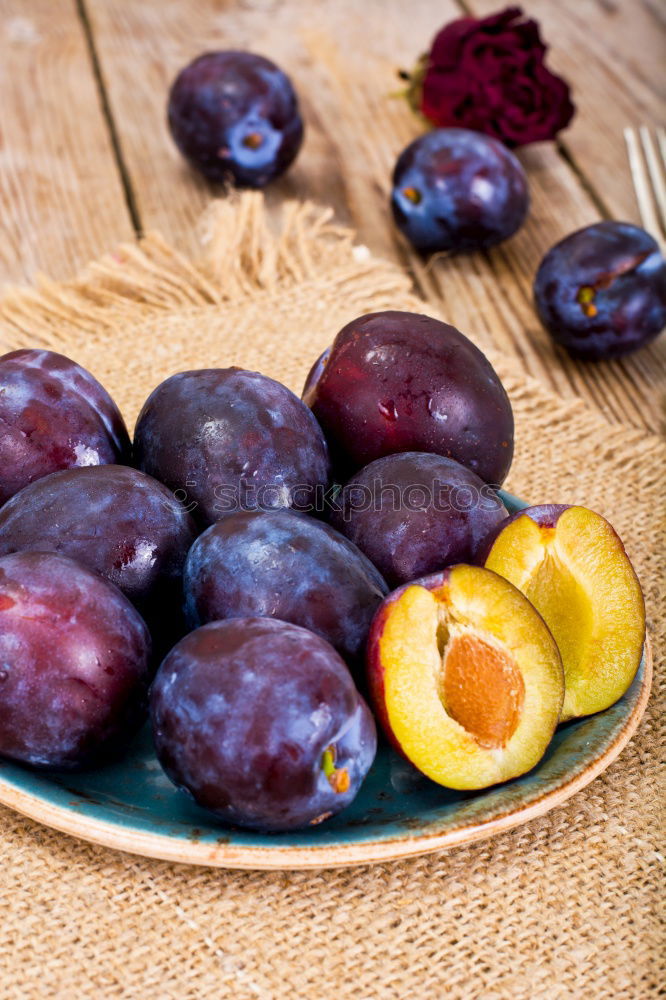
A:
(489, 75)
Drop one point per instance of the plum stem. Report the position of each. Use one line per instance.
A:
(253, 140)
(338, 777)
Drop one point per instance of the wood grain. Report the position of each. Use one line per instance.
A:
(61, 199)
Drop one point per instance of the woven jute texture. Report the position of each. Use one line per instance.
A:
(567, 906)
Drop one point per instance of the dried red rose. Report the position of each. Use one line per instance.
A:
(489, 75)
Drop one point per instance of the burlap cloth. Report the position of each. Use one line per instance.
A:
(567, 906)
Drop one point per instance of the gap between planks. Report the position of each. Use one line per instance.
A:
(114, 138)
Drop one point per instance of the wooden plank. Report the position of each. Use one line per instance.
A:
(60, 195)
(344, 65)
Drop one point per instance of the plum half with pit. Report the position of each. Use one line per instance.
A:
(74, 663)
(234, 116)
(400, 381)
(415, 513)
(53, 415)
(601, 292)
(465, 677)
(286, 565)
(118, 522)
(454, 189)
(225, 439)
(260, 722)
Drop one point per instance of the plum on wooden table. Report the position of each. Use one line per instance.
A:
(601, 292)
(454, 189)
(234, 116)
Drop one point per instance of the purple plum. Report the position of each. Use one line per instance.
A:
(454, 189)
(225, 439)
(74, 663)
(118, 522)
(53, 415)
(284, 565)
(601, 292)
(234, 116)
(416, 513)
(399, 381)
(260, 722)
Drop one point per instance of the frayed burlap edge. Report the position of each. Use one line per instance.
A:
(244, 255)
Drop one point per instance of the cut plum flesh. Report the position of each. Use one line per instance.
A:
(577, 575)
(466, 678)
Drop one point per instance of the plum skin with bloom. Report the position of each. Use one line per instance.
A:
(74, 663)
(454, 189)
(601, 291)
(234, 116)
(399, 381)
(118, 522)
(283, 564)
(260, 722)
(225, 439)
(53, 415)
(416, 513)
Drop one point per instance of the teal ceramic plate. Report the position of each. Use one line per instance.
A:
(133, 807)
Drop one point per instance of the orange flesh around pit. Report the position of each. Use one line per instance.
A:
(472, 681)
(482, 690)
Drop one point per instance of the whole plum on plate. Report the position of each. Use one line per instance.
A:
(400, 381)
(284, 565)
(260, 722)
(225, 439)
(454, 189)
(234, 116)
(415, 513)
(601, 292)
(53, 415)
(74, 663)
(118, 522)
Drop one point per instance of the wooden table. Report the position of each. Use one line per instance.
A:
(86, 159)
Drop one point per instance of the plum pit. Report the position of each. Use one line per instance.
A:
(480, 686)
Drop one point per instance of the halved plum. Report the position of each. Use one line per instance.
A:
(465, 677)
(572, 566)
